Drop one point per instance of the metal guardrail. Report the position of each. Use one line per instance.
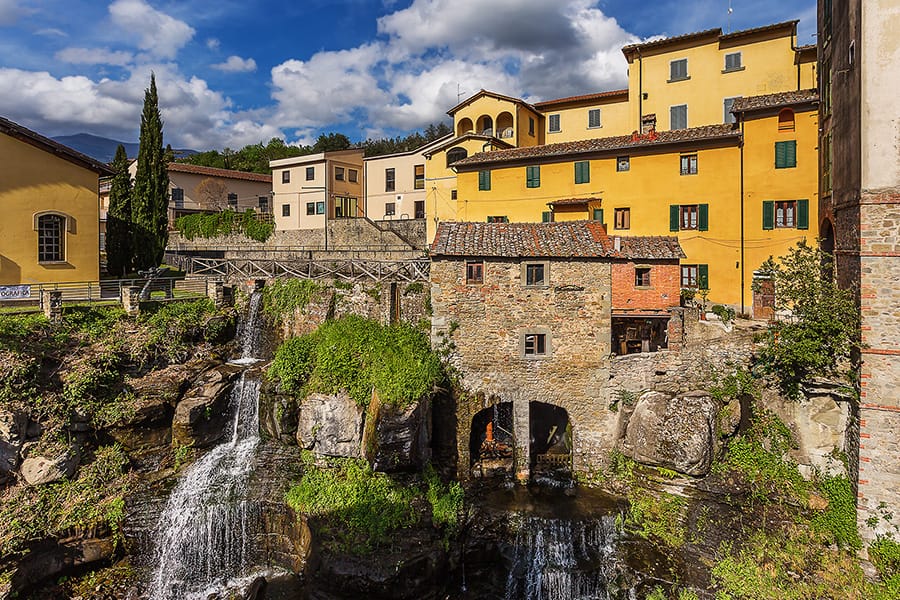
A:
(108, 291)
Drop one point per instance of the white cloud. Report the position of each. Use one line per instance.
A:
(236, 64)
(51, 32)
(161, 35)
(95, 56)
(213, 43)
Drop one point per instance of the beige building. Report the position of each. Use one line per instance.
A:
(308, 190)
(396, 186)
(49, 194)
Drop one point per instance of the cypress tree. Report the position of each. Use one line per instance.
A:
(118, 219)
(149, 207)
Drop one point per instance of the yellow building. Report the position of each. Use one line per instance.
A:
(691, 80)
(734, 194)
(584, 117)
(51, 216)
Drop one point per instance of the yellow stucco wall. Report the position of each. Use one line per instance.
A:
(499, 109)
(574, 121)
(768, 66)
(34, 181)
(654, 182)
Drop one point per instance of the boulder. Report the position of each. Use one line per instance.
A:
(672, 432)
(278, 415)
(395, 438)
(13, 431)
(330, 425)
(202, 414)
(38, 470)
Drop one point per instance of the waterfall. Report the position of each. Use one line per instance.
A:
(205, 529)
(560, 559)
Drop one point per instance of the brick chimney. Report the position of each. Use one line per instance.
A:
(648, 123)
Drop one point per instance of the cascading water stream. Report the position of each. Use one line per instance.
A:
(204, 531)
(560, 559)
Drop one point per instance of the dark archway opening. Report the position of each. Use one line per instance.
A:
(491, 441)
(550, 447)
(827, 246)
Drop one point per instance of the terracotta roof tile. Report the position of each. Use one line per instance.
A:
(717, 32)
(708, 132)
(775, 100)
(214, 172)
(584, 98)
(573, 201)
(53, 147)
(569, 239)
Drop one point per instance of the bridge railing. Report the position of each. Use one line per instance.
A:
(349, 270)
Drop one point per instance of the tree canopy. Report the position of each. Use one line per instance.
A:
(119, 245)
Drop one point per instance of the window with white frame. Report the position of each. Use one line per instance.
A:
(594, 118)
(553, 124)
(678, 69)
(733, 62)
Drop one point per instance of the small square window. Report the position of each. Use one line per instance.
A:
(678, 117)
(623, 163)
(547, 216)
(310, 208)
(484, 181)
(320, 208)
(678, 69)
(593, 118)
(263, 203)
(530, 125)
(689, 214)
(785, 214)
(178, 197)
(475, 272)
(285, 177)
(535, 274)
(498, 219)
(553, 124)
(786, 154)
(533, 177)
(453, 195)
(285, 210)
(535, 344)
(389, 209)
(583, 171)
(353, 176)
(622, 218)
(642, 277)
(688, 276)
(232, 200)
(339, 173)
(689, 164)
(310, 173)
(733, 62)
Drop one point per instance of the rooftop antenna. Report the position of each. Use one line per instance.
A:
(730, 12)
(459, 92)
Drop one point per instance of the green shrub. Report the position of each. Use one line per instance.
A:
(210, 225)
(659, 518)
(838, 521)
(359, 355)
(726, 313)
(361, 507)
(884, 553)
(739, 382)
(446, 500)
(174, 325)
(284, 296)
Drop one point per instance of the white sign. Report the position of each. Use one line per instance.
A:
(15, 292)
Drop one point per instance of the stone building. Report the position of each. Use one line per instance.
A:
(525, 313)
(860, 221)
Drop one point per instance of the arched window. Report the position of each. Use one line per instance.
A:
(455, 154)
(786, 120)
(51, 230)
(465, 126)
(486, 125)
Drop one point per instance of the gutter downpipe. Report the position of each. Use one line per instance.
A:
(743, 267)
(640, 88)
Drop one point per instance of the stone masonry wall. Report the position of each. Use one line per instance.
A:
(486, 323)
(879, 409)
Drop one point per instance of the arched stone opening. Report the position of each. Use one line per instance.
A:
(550, 443)
(505, 125)
(491, 441)
(464, 126)
(485, 125)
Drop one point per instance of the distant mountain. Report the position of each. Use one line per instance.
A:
(104, 149)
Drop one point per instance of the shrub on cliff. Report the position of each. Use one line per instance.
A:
(822, 333)
(359, 355)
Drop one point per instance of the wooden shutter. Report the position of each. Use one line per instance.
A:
(703, 277)
(532, 177)
(673, 217)
(598, 214)
(703, 217)
(484, 180)
(790, 153)
(583, 172)
(546, 217)
(802, 214)
(768, 214)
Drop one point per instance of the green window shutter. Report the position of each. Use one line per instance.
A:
(802, 214)
(583, 172)
(533, 177)
(790, 153)
(768, 214)
(673, 217)
(779, 155)
(484, 180)
(703, 217)
(546, 217)
(598, 214)
(703, 277)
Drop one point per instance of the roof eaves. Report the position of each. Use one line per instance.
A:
(24, 134)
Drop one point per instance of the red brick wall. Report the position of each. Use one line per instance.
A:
(664, 290)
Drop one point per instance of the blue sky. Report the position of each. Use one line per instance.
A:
(233, 72)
